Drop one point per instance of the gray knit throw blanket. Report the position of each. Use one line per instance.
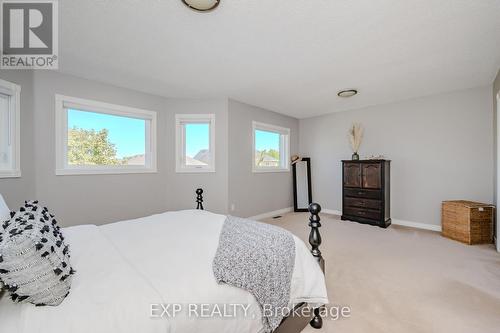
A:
(258, 258)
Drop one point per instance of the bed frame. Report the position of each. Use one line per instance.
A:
(295, 324)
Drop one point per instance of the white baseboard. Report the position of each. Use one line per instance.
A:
(411, 224)
(271, 214)
(417, 225)
(331, 212)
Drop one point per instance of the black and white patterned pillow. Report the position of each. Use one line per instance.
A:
(34, 259)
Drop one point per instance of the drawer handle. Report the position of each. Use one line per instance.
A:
(360, 193)
(361, 212)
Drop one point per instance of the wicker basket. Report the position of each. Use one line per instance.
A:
(467, 222)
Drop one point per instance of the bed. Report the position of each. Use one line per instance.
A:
(133, 275)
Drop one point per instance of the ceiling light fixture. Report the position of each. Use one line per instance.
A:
(347, 93)
(202, 5)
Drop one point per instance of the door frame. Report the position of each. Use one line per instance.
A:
(497, 236)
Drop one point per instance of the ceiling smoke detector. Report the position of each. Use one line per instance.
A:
(202, 5)
(347, 93)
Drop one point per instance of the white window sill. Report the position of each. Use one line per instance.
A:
(110, 171)
(269, 170)
(194, 170)
(10, 173)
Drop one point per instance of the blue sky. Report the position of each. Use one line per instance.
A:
(267, 140)
(197, 138)
(128, 134)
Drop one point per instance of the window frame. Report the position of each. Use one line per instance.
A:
(14, 92)
(284, 147)
(180, 142)
(63, 103)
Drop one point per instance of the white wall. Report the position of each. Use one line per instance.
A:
(95, 199)
(256, 193)
(181, 186)
(441, 148)
(496, 105)
(102, 199)
(16, 190)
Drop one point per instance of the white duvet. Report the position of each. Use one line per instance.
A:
(125, 269)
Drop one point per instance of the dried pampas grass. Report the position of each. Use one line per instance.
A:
(355, 136)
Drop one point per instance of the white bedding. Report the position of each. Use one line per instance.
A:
(123, 268)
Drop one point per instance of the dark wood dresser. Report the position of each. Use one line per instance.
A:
(366, 192)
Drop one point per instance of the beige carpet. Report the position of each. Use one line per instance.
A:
(404, 280)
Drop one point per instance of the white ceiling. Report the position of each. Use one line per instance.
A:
(290, 56)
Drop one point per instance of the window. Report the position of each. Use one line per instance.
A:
(271, 148)
(195, 142)
(10, 99)
(101, 138)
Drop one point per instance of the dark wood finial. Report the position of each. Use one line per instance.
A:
(315, 241)
(199, 198)
(315, 236)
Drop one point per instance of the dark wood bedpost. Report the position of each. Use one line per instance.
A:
(314, 235)
(199, 198)
(315, 241)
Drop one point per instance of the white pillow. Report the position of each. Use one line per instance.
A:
(35, 261)
(4, 210)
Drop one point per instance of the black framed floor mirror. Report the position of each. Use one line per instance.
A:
(302, 193)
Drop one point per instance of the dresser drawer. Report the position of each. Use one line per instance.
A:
(363, 203)
(361, 212)
(361, 193)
